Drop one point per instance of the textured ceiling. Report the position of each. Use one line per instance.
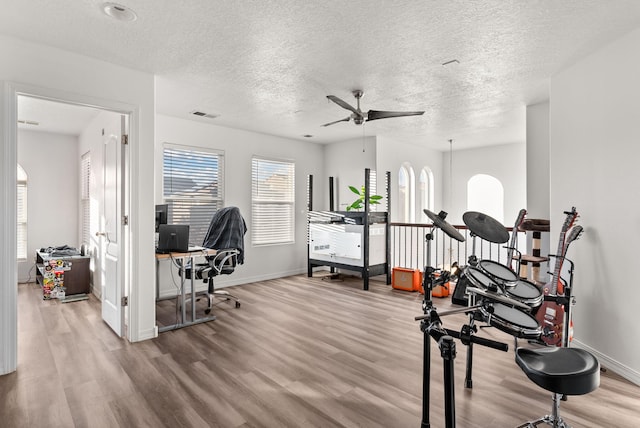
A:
(267, 66)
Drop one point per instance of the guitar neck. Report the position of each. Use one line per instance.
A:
(514, 235)
(571, 217)
(558, 265)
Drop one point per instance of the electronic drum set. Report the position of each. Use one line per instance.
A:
(494, 295)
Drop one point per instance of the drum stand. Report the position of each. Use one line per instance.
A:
(431, 326)
(471, 327)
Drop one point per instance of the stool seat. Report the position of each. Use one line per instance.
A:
(567, 371)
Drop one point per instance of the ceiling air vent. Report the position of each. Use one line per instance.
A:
(203, 114)
(28, 122)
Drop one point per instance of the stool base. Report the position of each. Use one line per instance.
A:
(553, 419)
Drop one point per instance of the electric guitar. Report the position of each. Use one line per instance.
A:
(514, 235)
(551, 314)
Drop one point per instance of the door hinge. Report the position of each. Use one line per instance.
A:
(125, 139)
(124, 301)
(125, 220)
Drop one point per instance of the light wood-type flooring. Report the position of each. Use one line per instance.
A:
(300, 352)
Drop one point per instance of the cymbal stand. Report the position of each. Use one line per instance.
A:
(472, 328)
(427, 307)
(473, 260)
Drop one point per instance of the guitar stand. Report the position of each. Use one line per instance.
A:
(567, 300)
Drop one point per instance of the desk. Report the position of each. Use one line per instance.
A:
(181, 257)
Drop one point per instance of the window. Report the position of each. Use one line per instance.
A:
(193, 187)
(426, 192)
(406, 197)
(85, 198)
(272, 201)
(485, 194)
(22, 214)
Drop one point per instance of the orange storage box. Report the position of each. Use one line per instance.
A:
(406, 279)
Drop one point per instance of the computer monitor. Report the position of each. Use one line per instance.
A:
(162, 214)
(173, 238)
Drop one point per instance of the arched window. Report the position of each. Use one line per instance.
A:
(22, 214)
(485, 194)
(406, 194)
(425, 189)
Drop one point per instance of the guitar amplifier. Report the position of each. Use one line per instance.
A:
(406, 279)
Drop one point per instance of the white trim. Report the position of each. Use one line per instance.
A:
(8, 236)
(615, 366)
(8, 268)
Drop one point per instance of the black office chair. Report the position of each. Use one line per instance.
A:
(223, 263)
(563, 371)
(226, 236)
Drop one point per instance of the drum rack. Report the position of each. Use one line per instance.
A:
(431, 327)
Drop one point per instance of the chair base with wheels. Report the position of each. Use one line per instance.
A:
(223, 263)
(563, 371)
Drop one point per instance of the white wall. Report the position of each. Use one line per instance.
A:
(392, 154)
(45, 71)
(346, 161)
(263, 262)
(51, 164)
(538, 160)
(505, 162)
(594, 156)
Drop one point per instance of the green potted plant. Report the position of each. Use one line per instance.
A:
(358, 204)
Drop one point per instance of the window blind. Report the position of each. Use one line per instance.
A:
(22, 214)
(85, 198)
(193, 187)
(272, 201)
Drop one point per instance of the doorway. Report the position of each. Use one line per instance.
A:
(77, 170)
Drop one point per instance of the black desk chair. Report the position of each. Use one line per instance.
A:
(563, 371)
(223, 263)
(226, 236)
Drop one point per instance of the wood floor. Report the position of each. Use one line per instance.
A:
(300, 352)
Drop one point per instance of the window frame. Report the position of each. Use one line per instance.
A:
(197, 229)
(257, 232)
(406, 204)
(426, 189)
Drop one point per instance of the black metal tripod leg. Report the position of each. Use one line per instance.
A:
(448, 353)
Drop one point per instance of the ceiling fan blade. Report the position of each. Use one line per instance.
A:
(343, 104)
(377, 114)
(346, 119)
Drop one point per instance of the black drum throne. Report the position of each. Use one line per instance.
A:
(563, 371)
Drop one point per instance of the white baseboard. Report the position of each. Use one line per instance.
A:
(229, 280)
(610, 364)
(146, 334)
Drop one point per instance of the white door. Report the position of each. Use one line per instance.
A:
(113, 225)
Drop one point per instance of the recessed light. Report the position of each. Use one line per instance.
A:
(119, 12)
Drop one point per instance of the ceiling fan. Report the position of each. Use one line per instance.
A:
(359, 117)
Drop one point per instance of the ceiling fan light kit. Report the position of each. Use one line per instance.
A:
(359, 117)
